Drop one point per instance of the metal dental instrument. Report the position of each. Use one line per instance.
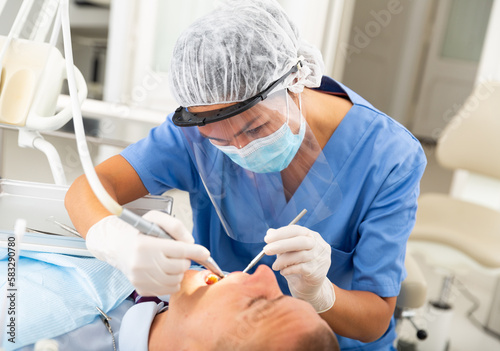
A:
(100, 192)
(152, 229)
(262, 253)
(32, 230)
(64, 226)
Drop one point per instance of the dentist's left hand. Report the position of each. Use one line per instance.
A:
(303, 258)
(154, 266)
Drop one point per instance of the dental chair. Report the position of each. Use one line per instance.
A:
(412, 297)
(459, 232)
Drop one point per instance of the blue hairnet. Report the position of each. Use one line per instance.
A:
(238, 50)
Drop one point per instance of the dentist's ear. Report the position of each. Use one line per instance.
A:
(294, 97)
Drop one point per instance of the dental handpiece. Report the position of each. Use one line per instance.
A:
(106, 200)
(152, 229)
(262, 253)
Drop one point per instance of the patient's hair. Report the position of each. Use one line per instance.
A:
(320, 338)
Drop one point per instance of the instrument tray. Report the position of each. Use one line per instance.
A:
(40, 204)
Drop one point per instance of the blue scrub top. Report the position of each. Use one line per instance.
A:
(377, 164)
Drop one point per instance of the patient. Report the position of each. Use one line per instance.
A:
(240, 312)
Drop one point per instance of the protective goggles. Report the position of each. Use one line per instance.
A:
(184, 118)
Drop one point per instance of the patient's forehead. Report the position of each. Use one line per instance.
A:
(272, 322)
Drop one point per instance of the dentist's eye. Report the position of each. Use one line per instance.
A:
(254, 131)
(211, 279)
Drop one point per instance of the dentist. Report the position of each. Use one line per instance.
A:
(260, 135)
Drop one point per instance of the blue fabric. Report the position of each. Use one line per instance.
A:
(94, 336)
(377, 165)
(59, 293)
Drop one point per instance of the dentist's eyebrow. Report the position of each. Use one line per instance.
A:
(245, 127)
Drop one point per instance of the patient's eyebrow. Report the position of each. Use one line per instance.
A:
(255, 299)
(262, 297)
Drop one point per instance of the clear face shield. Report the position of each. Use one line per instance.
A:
(263, 166)
(262, 139)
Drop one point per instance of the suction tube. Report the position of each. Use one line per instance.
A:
(100, 192)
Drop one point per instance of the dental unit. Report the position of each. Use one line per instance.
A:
(31, 80)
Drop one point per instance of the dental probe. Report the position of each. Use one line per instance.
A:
(262, 253)
(153, 229)
(64, 226)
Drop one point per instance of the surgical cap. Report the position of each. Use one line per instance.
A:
(238, 50)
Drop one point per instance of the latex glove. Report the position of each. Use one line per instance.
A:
(303, 258)
(154, 266)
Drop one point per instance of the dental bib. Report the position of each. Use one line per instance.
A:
(59, 293)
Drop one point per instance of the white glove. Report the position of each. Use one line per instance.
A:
(304, 259)
(155, 266)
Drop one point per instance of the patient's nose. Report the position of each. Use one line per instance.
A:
(265, 276)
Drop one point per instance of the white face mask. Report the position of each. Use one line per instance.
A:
(272, 153)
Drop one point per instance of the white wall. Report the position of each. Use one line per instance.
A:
(489, 67)
(80, 16)
(310, 20)
(136, 72)
(7, 15)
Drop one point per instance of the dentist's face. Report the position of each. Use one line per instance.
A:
(258, 122)
(240, 308)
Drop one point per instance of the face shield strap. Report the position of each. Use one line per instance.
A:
(288, 106)
(184, 118)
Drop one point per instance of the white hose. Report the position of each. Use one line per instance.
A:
(54, 159)
(106, 200)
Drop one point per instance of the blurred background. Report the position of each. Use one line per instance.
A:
(417, 61)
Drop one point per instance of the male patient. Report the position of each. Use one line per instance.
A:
(240, 312)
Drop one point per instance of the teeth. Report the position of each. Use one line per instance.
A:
(211, 279)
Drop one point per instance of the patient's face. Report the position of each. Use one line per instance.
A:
(240, 307)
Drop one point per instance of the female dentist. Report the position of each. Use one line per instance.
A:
(260, 135)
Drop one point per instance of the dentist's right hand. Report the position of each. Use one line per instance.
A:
(154, 266)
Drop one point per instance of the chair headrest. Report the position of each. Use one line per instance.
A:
(471, 141)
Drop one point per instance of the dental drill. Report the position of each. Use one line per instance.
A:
(144, 226)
